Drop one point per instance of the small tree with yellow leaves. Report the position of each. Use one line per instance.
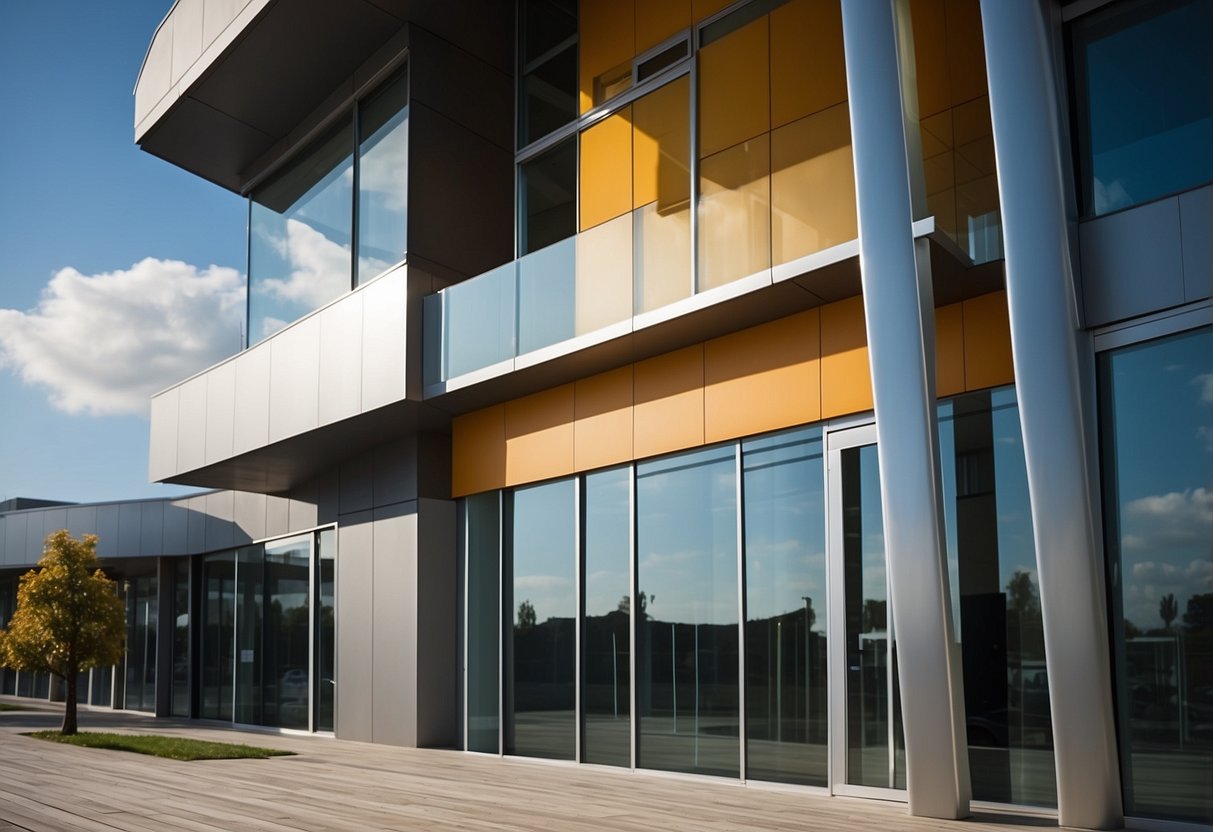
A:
(69, 617)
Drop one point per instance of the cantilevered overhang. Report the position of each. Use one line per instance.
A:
(225, 81)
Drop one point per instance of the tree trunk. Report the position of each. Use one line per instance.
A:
(69, 706)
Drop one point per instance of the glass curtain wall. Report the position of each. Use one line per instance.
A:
(181, 637)
(325, 681)
(996, 599)
(1156, 413)
(383, 178)
(142, 605)
(483, 546)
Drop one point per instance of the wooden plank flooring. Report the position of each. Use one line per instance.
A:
(333, 786)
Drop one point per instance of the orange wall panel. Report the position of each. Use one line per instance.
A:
(606, 169)
(478, 451)
(606, 39)
(987, 334)
(602, 429)
(846, 381)
(657, 20)
(668, 414)
(734, 83)
(808, 73)
(949, 350)
(763, 378)
(539, 436)
(705, 8)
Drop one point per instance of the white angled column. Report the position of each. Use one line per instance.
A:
(900, 325)
(1045, 335)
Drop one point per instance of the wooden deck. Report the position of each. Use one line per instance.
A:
(337, 785)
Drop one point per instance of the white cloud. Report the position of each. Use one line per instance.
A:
(1173, 519)
(1205, 383)
(320, 268)
(102, 344)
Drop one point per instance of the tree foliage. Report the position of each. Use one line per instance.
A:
(68, 619)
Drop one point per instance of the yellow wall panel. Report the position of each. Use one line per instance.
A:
(606, 39)
(604, 275)
(734, 84)
(735, 213)
(606, 164)
(661, 147)
(949, 350)
(602, 431)
(668, 414)
(808, 72)
(478, 451)
(987, 342)
(846, 381)
(929, 21)
(763, 378)
(966, 50)
(657, 20)
(539, 436)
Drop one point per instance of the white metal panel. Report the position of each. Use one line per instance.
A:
(219, 521)
(294, 379)
(220, 411)
(191, 424)
(355, 626)
(249, 513)
(187, 35)
(14, 538)
(162, 445)
(277, 513)
(394, 655)
(383, 340)
(252, 399)
(341, 359)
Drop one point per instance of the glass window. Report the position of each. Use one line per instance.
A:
(250, 615)
(687, 603)
(785, 642)
(286, 650)
(548, 95)
(326, 628)
(1156, 412)
(142, 605)
(383, 178)
(606, 653)
(541, 644)
(549, 197)
(300, 231)
(181, 637)
(1143, 81)
(483, 621)
(218, 631)
(996, 599)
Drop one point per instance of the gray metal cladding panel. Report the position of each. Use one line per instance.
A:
(187, 34)
(395, 472)
(437, 618)
(1196, 229)
(356, 484)
(355, 626)
(34, 535)
(277, 513)
(252, 399)
(217, 15)
(1131, 262)
(53, 519)
(3, 540)
(191, 425)
(151, 529)
(294, 379)
(394, 655)
(220, 411)
(220, 517)
(471, 92)
(81, 520)
(14, 538)
(130, 529)
(196, 525)
(162, 444)
(385, 305)
(249, 513)
(301, 514)
(176, 524)
(341, 359)
(107, 531)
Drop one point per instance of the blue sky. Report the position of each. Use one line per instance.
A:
(81, 201)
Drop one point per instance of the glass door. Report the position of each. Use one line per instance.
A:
(867, 744)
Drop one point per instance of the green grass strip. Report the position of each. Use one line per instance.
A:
(174, 748)
(4, 706)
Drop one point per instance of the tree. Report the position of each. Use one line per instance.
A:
(1022, 592)
(526, 615)
(1168, 609)
(69, 617)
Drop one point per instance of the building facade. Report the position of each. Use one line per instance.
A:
(793, 391)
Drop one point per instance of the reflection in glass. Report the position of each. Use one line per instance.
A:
(687, 674)
(483, 618)
(383, 171)
(300, 235)
(996, 599)
(735, 213)
(548, 193)
(875, 747)
(478, 322)
(142, 605)
(541, 648)
(8, 605)
(286, 650)
(324, 684)
(250, 665)
(218, 629)
(1143, 73)
(604, 275)
(545, 296)
(786, 693)
(181, 637)
(548, 95)
(1157, 431)
(606, 654)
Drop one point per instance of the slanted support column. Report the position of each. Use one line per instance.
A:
(1044, 342)
(900, 325)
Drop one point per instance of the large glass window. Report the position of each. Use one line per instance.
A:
(547, 97)
(541, 644)
(687, 603)
(996, 599)
(326, 628)
(287, 632)
(1156, 413)
(142, 605)
(1143, 84)
(383, 178)
(483, 544)
(785, 569)
(218, 634)
(181, 637)
(606, 654)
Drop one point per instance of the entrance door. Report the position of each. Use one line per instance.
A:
(867, 745)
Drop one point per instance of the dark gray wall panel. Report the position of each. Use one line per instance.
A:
(220, 411)
(162, 444)
(151, 528)
(462, 87)
(130, 529)
(1196, 229)
(294, 376)
(220, 514)
(191, 424)
(356, 484)
(328, 487)
(394, 658)
(341, 359)
(107, 531)
(1131, 262)
(176, 524)
(437, 624)
(395, 472)
(249, 512)
(277, 514)
(383, 340)
(355, 626)
(252, 399)
(196, 524)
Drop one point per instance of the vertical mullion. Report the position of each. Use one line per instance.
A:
(502, 505)
(693, 129)
(741, 615)
(356, 166)
(578, 628)
(634, 611)
(313, 594)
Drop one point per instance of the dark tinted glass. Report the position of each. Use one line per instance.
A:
(549, 197)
